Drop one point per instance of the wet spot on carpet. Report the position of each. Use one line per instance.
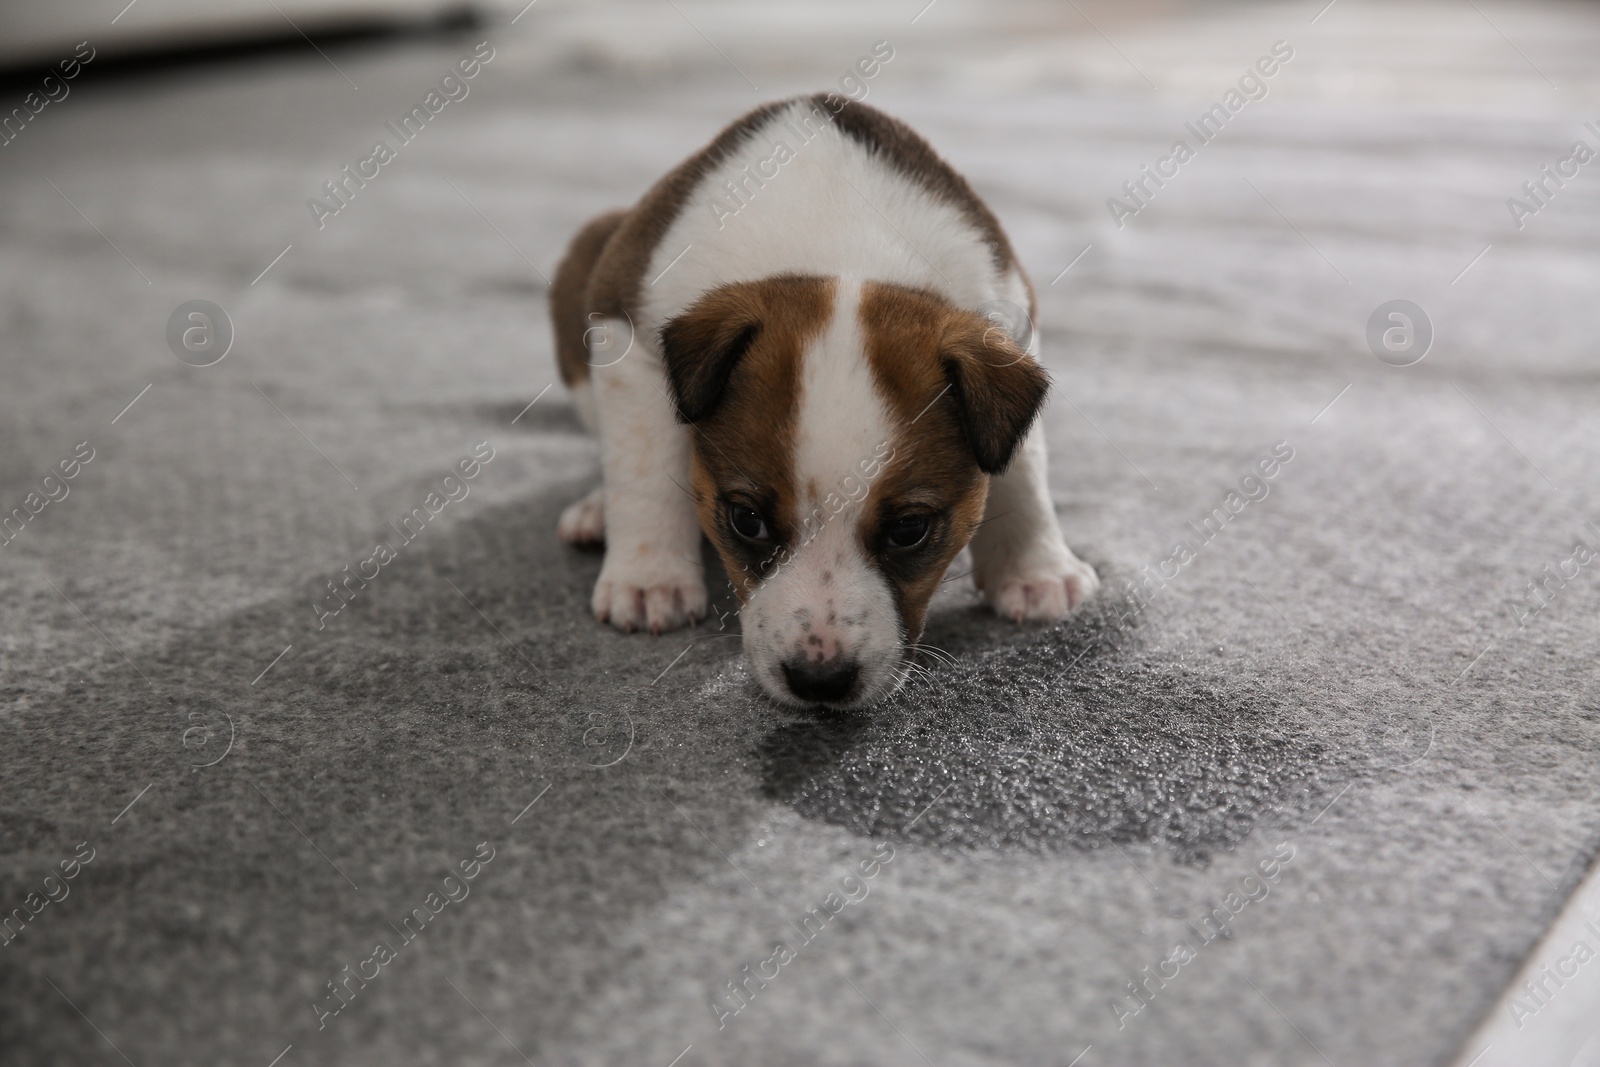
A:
(1077, 738)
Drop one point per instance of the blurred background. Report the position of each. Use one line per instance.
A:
(1373, 669)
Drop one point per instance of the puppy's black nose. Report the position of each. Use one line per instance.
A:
(828, 681)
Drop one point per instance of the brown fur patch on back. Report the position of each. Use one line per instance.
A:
(617, 277)
(744, 445)
(568, 307)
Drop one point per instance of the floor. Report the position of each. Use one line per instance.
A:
(1311, 795)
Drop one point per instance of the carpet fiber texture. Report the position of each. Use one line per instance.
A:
(1305, 792)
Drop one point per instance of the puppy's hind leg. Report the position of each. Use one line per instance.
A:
(584, 523)
(582, 342)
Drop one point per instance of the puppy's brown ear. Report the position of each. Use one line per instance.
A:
(701, 346)
(998, 388)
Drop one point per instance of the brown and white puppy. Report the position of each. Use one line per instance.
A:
(787, 344)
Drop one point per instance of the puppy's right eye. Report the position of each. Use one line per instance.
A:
(748, 523)
(907, 531)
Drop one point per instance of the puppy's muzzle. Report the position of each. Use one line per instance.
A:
(821, 682)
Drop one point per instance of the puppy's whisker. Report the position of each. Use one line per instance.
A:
(680, 485)
(902, 677)
(937, 654)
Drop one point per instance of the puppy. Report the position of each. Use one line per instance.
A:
(786, 345)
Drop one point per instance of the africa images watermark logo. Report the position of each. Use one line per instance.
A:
(738, 193)
(52, 90)
(200, 333)
(740, 992)
(55, 891)
(55, 490)
(1541, 189)
(1253, 487)
(1251, 86)
(346, 985)
(1252, 889)
(453, 87)
(455, 489)
(1399, 333)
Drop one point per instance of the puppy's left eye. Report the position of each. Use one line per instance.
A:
(748, 523)
(907, 531)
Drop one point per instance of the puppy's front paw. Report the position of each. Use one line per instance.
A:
(584, 523)
(649, 593)
(1046, 588)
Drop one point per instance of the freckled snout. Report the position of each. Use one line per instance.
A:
(823, 669)
(823, 628)
(823, 650)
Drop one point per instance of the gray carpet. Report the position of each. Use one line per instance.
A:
(1318, 789)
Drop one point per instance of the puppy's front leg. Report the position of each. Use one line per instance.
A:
(652, 576)
(1020, 560)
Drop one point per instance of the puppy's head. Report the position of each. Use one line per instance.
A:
(843, 438)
